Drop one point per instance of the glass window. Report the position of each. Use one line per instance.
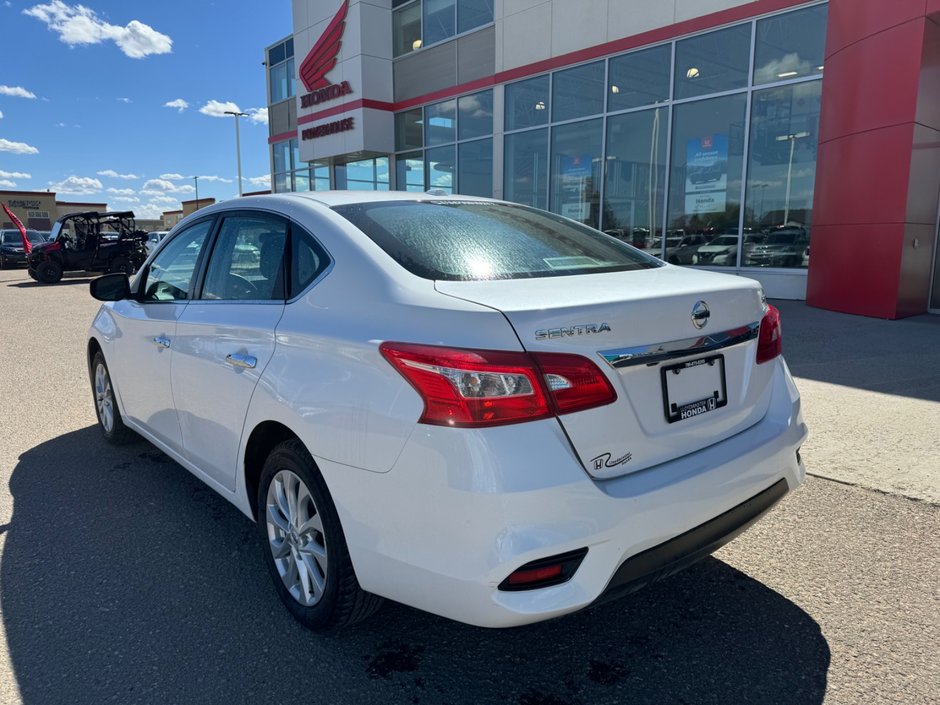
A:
(576, 170)
(790, 45)
(638, 79)
(409, 129)
(302, 180)
(409, 174)
(475, 164)
(282, 183)
(406, 29)
(440, 163)
(282, 154)
(460, 241)
(527, 103)
(713, 62)
(291, 80)
(578, 92)
(279, 86)
(525, 174)
(636, 175)
(473, 13)
(247, 260)
(289, 47)
(307, 260)
(321, 177)
(441, 121)
(705, 180)
(276, 54)
(781, 175)
(363, 175)
(439, 20)
(169, 277)
(475, 115)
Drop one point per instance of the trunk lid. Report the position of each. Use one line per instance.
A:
(634, 325)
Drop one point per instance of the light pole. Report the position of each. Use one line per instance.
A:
(196, 181)
(793, 137)
(238, 147)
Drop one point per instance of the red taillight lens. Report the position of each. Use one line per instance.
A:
(769, 342)
(491, 387)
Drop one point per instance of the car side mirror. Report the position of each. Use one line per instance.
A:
(111, 287)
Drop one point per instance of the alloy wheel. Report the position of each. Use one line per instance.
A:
(104, 398)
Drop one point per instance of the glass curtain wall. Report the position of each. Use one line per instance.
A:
(281, 71)
(702, 150)
(447, 146)
(291, 174)
(420, 23)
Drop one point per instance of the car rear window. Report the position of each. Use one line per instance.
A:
(473, 240)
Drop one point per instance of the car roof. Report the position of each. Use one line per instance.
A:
(343, 198)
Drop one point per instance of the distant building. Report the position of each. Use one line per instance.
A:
(194, 205)
(171, 218)
(38, 210)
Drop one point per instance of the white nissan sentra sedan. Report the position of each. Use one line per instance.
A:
(476, 408)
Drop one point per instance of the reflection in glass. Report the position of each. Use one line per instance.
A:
(440, 163)
(525, 172)
(475, 164)
(409, 172)
(321, 176)
(640, 78)
(409, 129)
(475, 115)
(439, 20)
(781, 175)
(576, 170)
(578, 92)
(406, 29)
(440, 119)
(790, 45)
(636, 176)
(527, 103)
(713, 62)
(473, 13)
(705, 175)
(363, 175)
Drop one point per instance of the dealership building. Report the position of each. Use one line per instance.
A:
(797, 143)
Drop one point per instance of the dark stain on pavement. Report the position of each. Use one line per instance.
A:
(394, 657)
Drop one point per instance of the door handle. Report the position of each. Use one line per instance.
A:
(161, 341)
(243, 361)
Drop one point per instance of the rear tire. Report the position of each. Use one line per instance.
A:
(49, 272)
(110, 422)
(305, 549)
(122, 265)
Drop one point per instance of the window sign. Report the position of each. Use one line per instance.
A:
(706, 174)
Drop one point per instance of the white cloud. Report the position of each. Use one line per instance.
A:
(78, 185)
(149, 211)
(216, 178)
(158, 187)
(125, 199)
(179, 104)
(259, 116)
(124, 100)
(17, 92)
(79, 25)
(165, 200)
(14, 175)
(172, 177)
(215, 108)
(122, 191)
(17, 147)
(61, 124)
(111, 173)
(261, 181)
(1, 115)
(6, 183)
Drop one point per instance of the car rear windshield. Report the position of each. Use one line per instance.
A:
(13, 237)
(473, 240)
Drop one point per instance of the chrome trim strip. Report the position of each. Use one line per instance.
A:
(660, 352)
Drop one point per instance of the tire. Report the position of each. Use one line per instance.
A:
(305, 549)
(110, 422)
(32, 273)
(673, 259)
(49, 272)
(122, 265)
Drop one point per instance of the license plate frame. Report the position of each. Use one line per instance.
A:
(692, 408)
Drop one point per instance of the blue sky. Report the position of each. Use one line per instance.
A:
(84, 88)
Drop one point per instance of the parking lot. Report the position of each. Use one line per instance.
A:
(124, 579)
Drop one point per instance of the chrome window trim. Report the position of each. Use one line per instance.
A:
(660, 352)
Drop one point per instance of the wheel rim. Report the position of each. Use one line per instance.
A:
(295, 537)
(104, 399)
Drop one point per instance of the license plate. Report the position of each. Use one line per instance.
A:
(694, 388)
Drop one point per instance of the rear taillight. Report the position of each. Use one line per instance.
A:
(490, 387)
(769, 342)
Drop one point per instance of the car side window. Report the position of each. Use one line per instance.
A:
(308, 260)
(170, 275)
(247, 261)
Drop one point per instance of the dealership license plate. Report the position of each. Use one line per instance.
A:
(693, 388)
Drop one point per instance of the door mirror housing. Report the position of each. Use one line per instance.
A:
(111, 287)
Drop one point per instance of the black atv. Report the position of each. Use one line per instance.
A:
(89, 242)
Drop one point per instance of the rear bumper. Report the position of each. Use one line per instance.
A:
(461, 510)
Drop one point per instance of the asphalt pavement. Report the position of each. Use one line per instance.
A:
(123, 579)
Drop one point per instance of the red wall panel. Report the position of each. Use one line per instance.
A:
(851, 21)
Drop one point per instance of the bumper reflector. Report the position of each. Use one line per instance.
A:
(544, 572)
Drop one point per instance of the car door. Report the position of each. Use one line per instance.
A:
(143, 346)
(225, 337)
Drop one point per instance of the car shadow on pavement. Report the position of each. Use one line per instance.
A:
(125, 579)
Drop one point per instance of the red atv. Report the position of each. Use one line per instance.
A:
(89, 242)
